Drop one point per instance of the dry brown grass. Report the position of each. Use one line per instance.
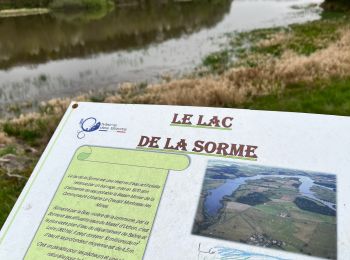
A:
(4, 139)
(238, 84)
(276, 39)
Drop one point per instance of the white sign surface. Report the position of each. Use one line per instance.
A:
(124, 182)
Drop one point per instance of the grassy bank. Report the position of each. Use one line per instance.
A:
(303, 68)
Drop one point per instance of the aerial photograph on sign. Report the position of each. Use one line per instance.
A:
(271, 207)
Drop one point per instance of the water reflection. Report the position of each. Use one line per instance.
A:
(57, 55)
(60, 35)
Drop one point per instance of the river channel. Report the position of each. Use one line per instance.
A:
(213, 202)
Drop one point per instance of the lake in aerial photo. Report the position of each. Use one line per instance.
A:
(271, 207)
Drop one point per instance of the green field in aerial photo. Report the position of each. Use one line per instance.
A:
(270, 207)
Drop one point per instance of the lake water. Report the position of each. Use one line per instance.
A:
(57, 55)
(213, 202)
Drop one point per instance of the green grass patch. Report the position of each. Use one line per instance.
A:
(9, 192)
(311, 216)
(329, 97)
(274, 226)
(7, 150)
(324, 245)
(304, 39)
(316, 35)
(34, 132)
(243, 48)
(275, 208)
(218, 61)
(29, 133)
(271, 209)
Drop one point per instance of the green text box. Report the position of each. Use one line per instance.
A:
(105, 205)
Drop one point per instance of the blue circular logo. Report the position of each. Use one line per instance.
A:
(88, 125)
